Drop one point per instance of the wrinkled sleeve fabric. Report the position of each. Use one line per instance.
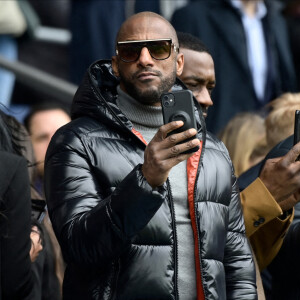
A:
(93, 229)
(264, 228)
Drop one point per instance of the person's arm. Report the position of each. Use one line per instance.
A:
(281, 176)
(94, 221)
(260, 207)
(268, 205)
(17, 276)
(264, 226)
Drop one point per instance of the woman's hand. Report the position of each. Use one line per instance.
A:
(36, 243)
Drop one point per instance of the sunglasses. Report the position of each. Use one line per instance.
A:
(159, 49)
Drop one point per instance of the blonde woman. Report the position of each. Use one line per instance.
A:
(245, 138)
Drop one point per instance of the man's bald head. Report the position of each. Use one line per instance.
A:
(135, 19)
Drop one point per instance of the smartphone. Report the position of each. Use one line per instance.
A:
(179, 106)
(297, 129)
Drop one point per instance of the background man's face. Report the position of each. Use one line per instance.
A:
(199, 76)
(146, 79)
(41, 128)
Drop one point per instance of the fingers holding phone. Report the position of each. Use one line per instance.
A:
(281, 176)
(165, 151)
(175, 141)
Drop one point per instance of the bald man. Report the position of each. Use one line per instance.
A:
(136, 216)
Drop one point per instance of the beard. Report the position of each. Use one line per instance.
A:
(150, 94)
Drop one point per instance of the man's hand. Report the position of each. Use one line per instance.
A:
(281, 176)
(162, 153)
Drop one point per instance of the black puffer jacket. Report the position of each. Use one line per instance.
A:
(117, 234)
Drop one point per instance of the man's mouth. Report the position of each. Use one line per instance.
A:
(146, 75)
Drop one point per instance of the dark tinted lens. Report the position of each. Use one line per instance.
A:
(160, 49)
(129, 52)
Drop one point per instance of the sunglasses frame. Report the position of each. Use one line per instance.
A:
(145, 42)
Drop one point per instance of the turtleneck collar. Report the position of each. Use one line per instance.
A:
(138, 113)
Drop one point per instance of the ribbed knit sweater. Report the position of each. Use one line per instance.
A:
(146, 120)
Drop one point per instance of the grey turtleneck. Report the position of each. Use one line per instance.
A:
(147, 119)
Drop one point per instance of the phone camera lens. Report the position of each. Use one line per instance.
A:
(168, 100)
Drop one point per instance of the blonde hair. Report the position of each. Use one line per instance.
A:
(245, 138)
(280, 120)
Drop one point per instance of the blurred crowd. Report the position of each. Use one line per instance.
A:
(251, 97)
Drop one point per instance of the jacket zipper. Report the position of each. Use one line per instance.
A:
(175, 238)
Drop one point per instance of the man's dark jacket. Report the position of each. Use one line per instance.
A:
(117, 234)
(220, 27)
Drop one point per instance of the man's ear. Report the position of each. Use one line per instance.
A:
(114, 64)
(179, 64)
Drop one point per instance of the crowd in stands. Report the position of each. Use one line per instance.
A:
(242, 64)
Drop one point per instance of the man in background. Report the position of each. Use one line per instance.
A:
(249, 43)
(42, 122)
(268, 199)
(267, 217)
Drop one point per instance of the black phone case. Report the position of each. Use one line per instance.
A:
(297, 127)
(179, 106)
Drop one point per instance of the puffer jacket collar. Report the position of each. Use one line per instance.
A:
(96, 96)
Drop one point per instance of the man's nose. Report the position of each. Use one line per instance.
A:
(204, 98)
(145, 58)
